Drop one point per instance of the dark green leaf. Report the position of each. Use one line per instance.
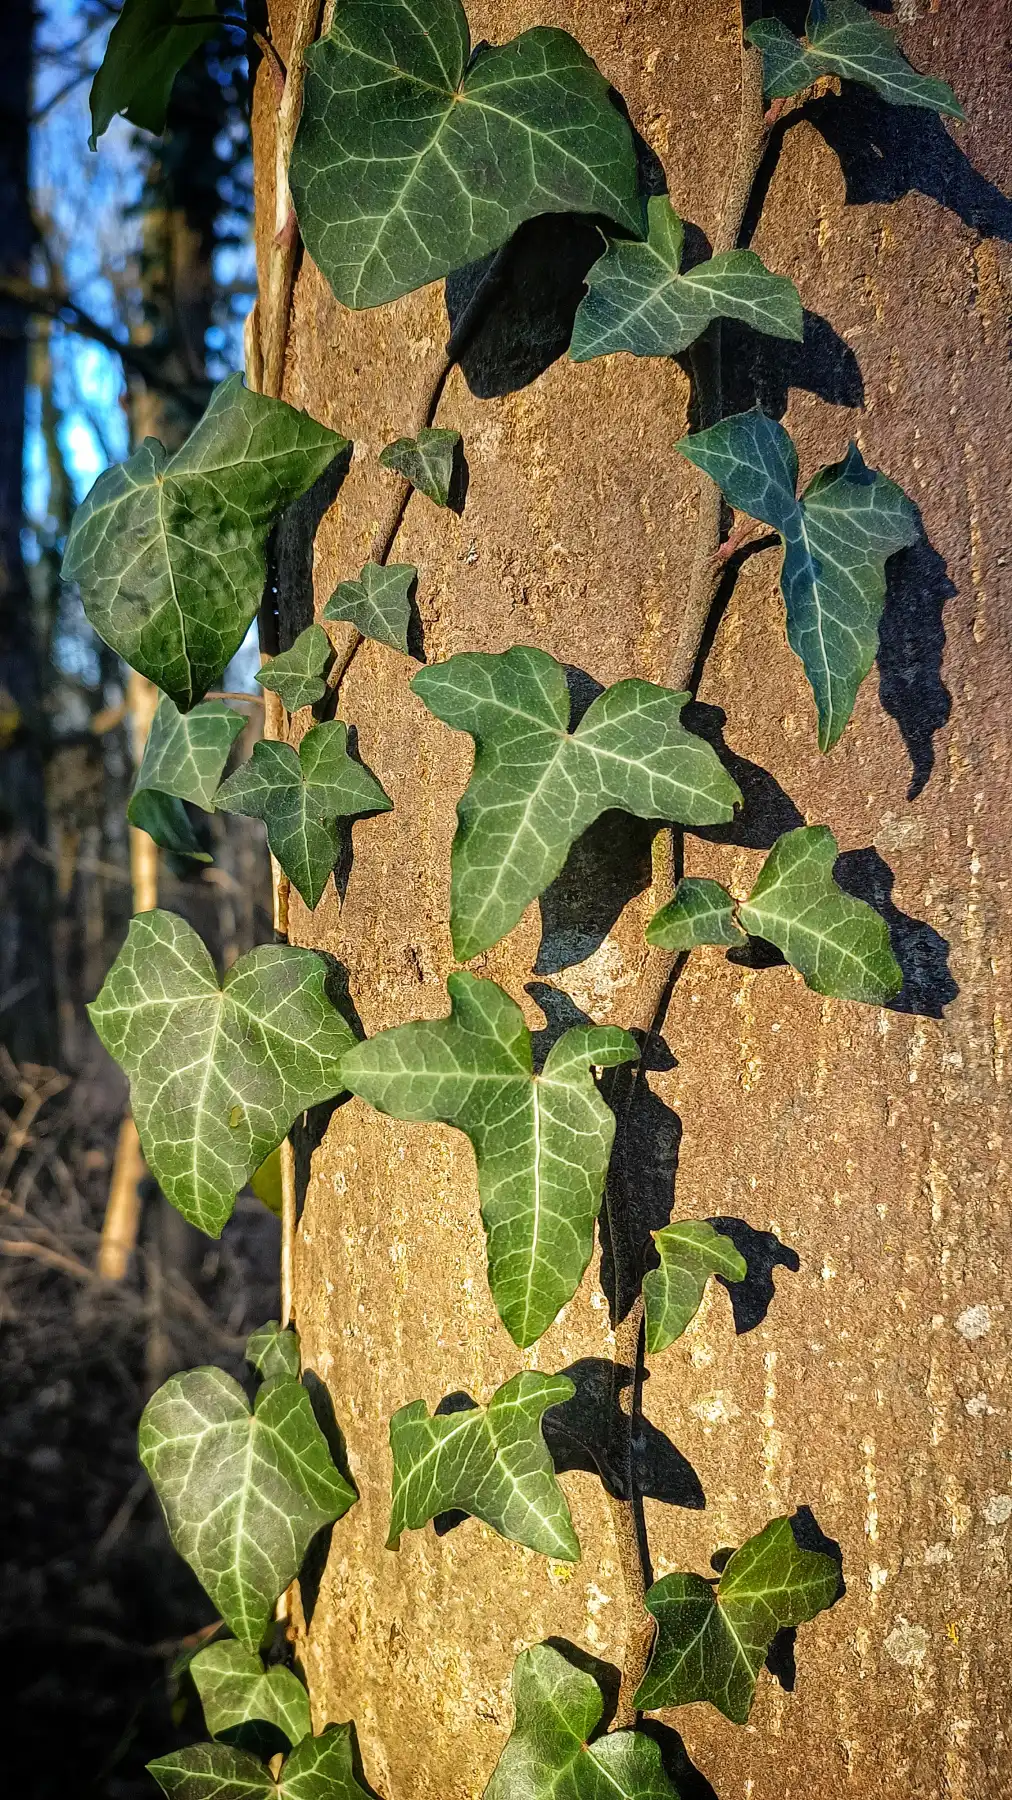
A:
(148, 45)
(690, 1251)
(378, 603)
(415, 156)
(296, 676)
(841, 945)
(836, 541)
(550, 1755)
(639, 301)
(702, 912)
(426, 461)
(711, 1645)
(273, 1351)
(300, 795)
(843, 39)
(218, 1074)
(236, 1690)
(491, 1462)
(542, 1142)
(169, 550)
(535, 787)
(319, 1768)
(183, 760)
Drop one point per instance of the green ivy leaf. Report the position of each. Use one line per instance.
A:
(551, 1755)
(148, 45)
(426, 461)
(841, 38)
(702, 912)
(300, 795)
(541, 1142)
(416, 155)
(169, 550)
(296, 675)
(237, 1692)
(836, 540)
(712, 1639)
(840, 945)
(243, 1492)
(217, 1074)
(267, 1184)
(273, 1350)
(638, 300)
(378, 604)
(536, 787)
(491, 1462)
(690, 1252)
(319, 1768)
(183, 760)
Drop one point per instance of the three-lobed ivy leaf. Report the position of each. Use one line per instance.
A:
(713, 1638)
(541, 1142)
(148, 45)
(553, 1754)
(491, 1462)
(840, 944)
(427, 461)
(836, 541)
(841, 38)
(183, 759)
(690, 1251)
(169, 550)
(639, 300)
(243, 1492)
(701, 912)
(319, 1768)
(300, 795)
(218, 1073)
(297, 674)
(273, 1349)
(416, 155)
(238, 1694)
(378, 604)
(536, 786)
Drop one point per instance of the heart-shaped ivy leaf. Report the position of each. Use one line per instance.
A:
(552, 1752)
(415, 156)
(541, 1142)
(300, 795)
(713, 1638)
(639, 300)
(218, 1074)
(273, 1350)
(378, 603)
(296, 675)
(243, 1492)
(536, 786)
(183, 760)
(239, 1695)
(490, 1462)
(427, 461)
(836, 540)
(149, 43)
(169, 550)
(702, 912)
(690, 1252)
(840, 945)
(319, 1768)
(842, 38)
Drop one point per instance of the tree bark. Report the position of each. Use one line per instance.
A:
(861, 1150)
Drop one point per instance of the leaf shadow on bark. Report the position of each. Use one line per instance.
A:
(921, 951)
(910, 650)
(288, 603)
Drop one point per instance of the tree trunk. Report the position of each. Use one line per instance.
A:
(861, 1373)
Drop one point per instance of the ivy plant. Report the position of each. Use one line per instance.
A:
(841, 38)
(297, 674)
(183, 759)
(318, 1768)
(556, 1750)
(149, 43)
(377, 603)
(240, 1696)
(427, 461)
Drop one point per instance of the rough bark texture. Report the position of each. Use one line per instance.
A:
(863, 1149)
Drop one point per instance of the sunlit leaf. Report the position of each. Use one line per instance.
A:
(541, 1142)
(183, 760)
(426, 461)
(378, 603)
(267, 1185)
(319, 1768)
(690, 1252)
(841, 945)
(702, 912)
(296, 675)
(842, 38)
(237, 1693)
(273, 1350)
(148, 45)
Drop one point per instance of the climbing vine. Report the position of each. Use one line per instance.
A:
(407, 154)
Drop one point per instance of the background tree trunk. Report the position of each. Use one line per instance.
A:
(861, 1149)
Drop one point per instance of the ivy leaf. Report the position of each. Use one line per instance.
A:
(237, 1692)
(378, 603)
(416, 155)
(267, 1184)
(273, 1350)
(840, 945)
(148, 45)
(638, 300)
(712, 1639)
(836, 540)
(702, 912)
(536, 787)
(690, 1252)
(169, 550)
(319, 1768)
(218, 1074)
(541, 1142)
(183, 760)
(243, 1492)
(550, 1755)
(296, 676)
(426, 461)
(300, 795)
(841, 38)
(491, 1462)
